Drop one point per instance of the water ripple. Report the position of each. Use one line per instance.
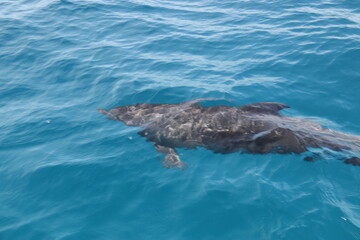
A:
(63, 166)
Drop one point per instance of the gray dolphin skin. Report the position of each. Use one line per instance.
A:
(253, 128)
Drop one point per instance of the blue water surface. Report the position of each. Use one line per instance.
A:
(68, 173)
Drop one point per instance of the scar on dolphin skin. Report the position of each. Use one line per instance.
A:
(256, 128)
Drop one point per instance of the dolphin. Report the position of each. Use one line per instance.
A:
(256, 128)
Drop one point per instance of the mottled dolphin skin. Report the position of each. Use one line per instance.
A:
(254, 128)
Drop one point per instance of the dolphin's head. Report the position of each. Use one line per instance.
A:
(133, 115)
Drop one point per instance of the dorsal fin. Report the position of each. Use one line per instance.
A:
(264, 107)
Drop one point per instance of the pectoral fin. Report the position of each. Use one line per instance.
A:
(355, 161)
(171, 158)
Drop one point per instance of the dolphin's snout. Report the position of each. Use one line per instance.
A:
(108, 114)
(102, 111)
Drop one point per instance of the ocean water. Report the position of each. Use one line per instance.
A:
(68, 173)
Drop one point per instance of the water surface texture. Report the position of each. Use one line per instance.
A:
(68, 173)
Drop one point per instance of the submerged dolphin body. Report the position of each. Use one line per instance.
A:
(254, 128)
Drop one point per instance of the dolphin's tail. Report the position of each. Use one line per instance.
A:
(350, 142)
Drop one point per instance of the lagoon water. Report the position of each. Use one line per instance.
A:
(68, 173)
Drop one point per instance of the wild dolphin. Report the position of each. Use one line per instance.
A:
(253, 128)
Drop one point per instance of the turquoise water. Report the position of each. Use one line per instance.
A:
(68, 173)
